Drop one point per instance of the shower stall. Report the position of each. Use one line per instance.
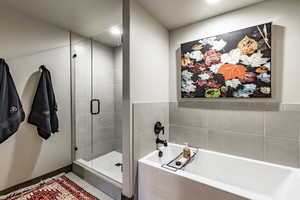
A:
(97, 101)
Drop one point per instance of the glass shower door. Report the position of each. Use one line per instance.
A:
(82, 70)
(97, 143)
(103, 92)
(105, 157)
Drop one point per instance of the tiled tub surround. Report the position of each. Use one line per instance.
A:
(145, 115)
(271, 136)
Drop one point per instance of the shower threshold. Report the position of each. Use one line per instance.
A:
(109, 165)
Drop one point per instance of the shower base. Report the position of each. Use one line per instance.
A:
(109, 165)
(102, 172)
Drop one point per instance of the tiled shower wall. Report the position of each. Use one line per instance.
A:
(271, 136)
(105, 135)
(118, 98)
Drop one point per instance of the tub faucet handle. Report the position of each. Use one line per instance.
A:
(158, 128)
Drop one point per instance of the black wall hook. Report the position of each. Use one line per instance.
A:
(41, 68)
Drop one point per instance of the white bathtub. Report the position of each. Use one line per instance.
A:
(215, 176)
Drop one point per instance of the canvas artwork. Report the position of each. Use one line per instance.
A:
(232, 65)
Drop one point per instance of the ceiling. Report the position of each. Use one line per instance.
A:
(106, 37)
(94, 18)
(175, 13)
(88, 18)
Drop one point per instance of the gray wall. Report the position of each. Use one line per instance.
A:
(149, 80)
(103, 88)
(149, 66)
(149, 50)
(252, 128)
(145, 115)
(271, 136)
(26, 44)
(118, 72)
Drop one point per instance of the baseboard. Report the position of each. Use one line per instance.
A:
(65, 169)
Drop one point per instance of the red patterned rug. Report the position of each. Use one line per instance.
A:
(60, 188)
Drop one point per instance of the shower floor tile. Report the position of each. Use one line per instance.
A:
(106, 165)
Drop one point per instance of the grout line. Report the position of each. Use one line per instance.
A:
(227, 132)
(222, 131)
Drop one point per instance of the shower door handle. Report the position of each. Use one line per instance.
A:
(93, 101)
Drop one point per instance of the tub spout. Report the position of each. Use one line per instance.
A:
(159, 141)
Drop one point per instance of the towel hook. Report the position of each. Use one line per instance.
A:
(41, 68)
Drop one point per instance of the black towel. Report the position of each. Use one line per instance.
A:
(11, 110)
(43, 112)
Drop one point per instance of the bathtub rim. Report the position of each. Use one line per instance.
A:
(217, 184)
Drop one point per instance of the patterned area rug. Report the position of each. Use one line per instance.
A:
(60, 188)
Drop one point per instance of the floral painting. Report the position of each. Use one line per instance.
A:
(232, 65)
